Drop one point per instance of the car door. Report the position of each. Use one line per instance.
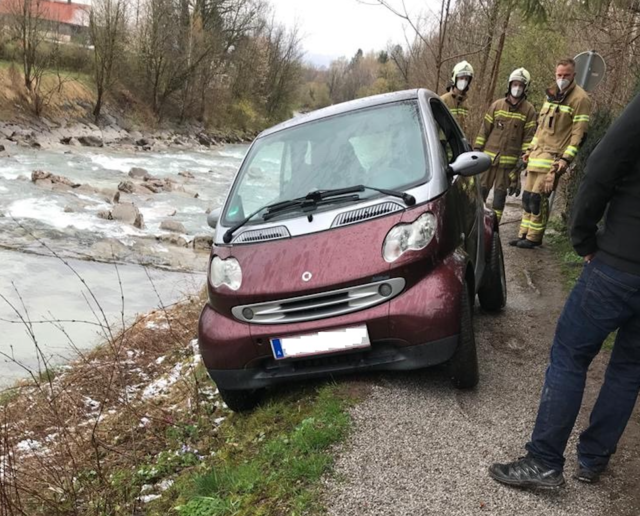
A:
(464, 191)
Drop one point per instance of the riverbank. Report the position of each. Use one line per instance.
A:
(43, 133)
(125, 123)
(136, 427)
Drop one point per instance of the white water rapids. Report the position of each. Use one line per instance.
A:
(36, 222)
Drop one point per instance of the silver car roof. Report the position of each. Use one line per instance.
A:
(351, 105)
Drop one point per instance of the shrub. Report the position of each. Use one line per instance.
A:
(600, 121)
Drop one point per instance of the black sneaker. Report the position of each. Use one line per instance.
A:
(586, 475)
(514, 243)
(527, 472)
(528, 244)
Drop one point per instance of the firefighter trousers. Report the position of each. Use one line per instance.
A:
(536, 208)
(498, 179)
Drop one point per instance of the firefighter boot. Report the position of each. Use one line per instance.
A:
(499, 202)
(526, 217)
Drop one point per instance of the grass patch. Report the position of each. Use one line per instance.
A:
(560, 244)
(270, 461)
(84, 447)
(8, 395)
(83, 77)
(571, 263)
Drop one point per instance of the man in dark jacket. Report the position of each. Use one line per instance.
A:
(605, 299)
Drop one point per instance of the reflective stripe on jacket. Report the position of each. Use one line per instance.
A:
(562, 126)
(456, 106)
(507, 131)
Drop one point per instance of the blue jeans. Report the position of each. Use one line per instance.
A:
(604, 300)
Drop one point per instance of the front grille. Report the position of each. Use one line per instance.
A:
(370, 212)
(320, 306)
(261, 235)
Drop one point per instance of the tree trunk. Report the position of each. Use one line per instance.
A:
(496, 63)
(620, 69)
(98, 107)
(492, 23)
(442, 37)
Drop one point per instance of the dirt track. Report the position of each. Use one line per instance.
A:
(421, 448)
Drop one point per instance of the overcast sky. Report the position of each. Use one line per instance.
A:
(334, 28)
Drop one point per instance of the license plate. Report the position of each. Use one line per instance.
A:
(332, 341)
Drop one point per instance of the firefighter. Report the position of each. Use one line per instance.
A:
(456, 95)
(506, 133)
(562, 127)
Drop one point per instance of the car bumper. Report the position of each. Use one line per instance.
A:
(418, 328)
(387, 356)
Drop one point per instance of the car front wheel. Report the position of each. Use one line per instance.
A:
(241, 400)
(493, 293)
(463, 366)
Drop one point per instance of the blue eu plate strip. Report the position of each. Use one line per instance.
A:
(276, 345)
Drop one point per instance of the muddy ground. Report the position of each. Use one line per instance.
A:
(421, 448)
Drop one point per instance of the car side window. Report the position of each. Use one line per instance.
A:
(448, 132)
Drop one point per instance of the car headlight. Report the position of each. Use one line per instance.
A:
(409, 237)
(225, 272)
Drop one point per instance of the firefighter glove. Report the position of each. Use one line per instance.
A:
(549, 182)
(514, 182)
(560, 166)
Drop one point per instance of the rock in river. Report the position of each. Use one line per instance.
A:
(173, 225)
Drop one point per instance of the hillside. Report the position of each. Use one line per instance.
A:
(70, 98)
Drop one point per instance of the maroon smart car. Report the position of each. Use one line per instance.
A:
(353, 238)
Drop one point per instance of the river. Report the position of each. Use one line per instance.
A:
(37, 224)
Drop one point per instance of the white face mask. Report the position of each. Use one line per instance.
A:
(517, 91)
(562, 83)
(461, 84)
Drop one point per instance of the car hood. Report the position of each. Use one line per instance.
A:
(312, 263)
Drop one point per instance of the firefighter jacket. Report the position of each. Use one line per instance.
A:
(455, 102)
(562, 127)
(507, 131)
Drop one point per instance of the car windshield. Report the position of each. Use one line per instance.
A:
(382, 147)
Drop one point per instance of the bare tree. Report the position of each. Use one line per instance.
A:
(108, 31)
(434, 41)
(29, 27)
(37, 32)
(283, 68)
(401, 62)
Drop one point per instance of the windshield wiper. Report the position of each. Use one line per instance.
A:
(312, 200)
(307, 203)
(319, 195)
(408, 199)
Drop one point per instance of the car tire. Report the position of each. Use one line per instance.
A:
(241, 400)
(463, 366)
(493, 292)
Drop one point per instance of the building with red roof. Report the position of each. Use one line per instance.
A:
(68, 20)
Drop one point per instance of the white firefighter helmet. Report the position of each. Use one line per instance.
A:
(522, 75)
(462, 69)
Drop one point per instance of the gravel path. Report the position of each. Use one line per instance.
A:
(421, 448)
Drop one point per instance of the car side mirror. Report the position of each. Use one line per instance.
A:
(214, 217)
(469, 164)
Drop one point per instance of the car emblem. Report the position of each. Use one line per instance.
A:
(306, 276)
